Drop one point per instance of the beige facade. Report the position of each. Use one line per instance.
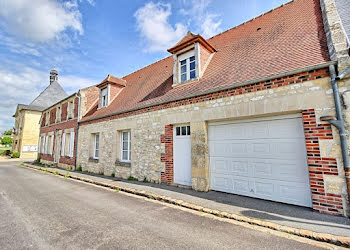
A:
(146, 130)
(25, 140)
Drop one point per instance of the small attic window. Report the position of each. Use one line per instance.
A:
(104, 97)
(187, 66)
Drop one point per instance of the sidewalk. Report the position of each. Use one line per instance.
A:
(255, 211)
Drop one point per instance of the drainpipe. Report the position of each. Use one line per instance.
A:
(339, 122)
(76, 135)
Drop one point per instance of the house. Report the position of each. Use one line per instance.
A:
(59, 128)
(248, 112)
(26, 129)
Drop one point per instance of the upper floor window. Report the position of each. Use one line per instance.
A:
(47, 119)
(58, 114)
(104, 97)
(70, 110)
(187, 68)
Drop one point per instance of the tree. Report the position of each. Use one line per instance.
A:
(6, 141)
(7, 132)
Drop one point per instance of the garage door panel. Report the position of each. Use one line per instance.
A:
(263, 159)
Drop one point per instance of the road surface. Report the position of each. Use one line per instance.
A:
(42, 211)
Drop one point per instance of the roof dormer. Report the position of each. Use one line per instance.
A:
(191, 57)
(110, 87)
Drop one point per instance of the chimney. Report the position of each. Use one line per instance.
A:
(53, 76)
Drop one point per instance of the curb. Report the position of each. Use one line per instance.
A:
(323, 237)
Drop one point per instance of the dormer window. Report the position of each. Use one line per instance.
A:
(187, 68)
(191, 57)
(110, 87)
(104, 97)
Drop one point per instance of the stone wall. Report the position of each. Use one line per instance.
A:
(150, 129)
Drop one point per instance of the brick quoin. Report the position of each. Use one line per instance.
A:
(269, 84)
(167, 138)
(319, 166)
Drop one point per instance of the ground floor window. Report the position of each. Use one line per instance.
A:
(96, 146)
(67, 144)
(125, 146)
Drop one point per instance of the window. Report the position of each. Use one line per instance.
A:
(67, 144)
(125, 146)
(104, 97)
(47, 121)
(183, 130)
(188, 69)
(96, 146)
(49, 144)
(70, 110)
(58, 114)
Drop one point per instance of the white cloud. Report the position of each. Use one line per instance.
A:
(24, 85)
(152, 22)
(207, 23)
(40, 20)
(210, 27)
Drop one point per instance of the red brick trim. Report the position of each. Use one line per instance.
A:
(319, 166)
(168, 175)
(269, 84)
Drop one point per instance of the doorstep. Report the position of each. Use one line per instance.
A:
(283, 217)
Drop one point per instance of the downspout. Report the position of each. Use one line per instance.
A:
(77, 134)
(339, 122)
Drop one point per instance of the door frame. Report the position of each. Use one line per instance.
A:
(184, 137)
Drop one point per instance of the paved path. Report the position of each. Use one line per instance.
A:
(41, 211)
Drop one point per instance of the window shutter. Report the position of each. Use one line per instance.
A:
(51, 146)
(71, 150)
(63, 143)
(46, 142)
(39, 144)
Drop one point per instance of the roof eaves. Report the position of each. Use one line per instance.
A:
(234, 85)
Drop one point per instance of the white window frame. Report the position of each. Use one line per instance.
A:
(186, 57)
(104, 103)
(128, 150)
(96, 146)
(58, 113)
(71, 144)
(70, 110)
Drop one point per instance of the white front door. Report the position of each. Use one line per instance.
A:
(263, 158)
(182, 155)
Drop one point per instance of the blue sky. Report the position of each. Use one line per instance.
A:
(87, 39)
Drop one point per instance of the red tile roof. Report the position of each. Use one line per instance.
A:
(112, 80)
(191, 39)
(287, 38)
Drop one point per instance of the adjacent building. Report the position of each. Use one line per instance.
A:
(59, 128)
(26, 129)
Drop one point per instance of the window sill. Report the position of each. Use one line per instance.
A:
(186, 82)
(122, 163)
(93, 160)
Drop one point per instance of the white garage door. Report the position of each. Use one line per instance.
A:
(262, 158)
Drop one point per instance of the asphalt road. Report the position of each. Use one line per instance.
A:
(41, 211)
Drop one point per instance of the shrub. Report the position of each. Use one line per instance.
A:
(80, 169)
(6, 152)
(113, 175)
(6, 141)
(15, 155)
(101, 173)
(131, 178)
(37, 160)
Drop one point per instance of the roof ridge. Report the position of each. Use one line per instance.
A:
(252, 19)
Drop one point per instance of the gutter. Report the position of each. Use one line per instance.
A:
(234, 85)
